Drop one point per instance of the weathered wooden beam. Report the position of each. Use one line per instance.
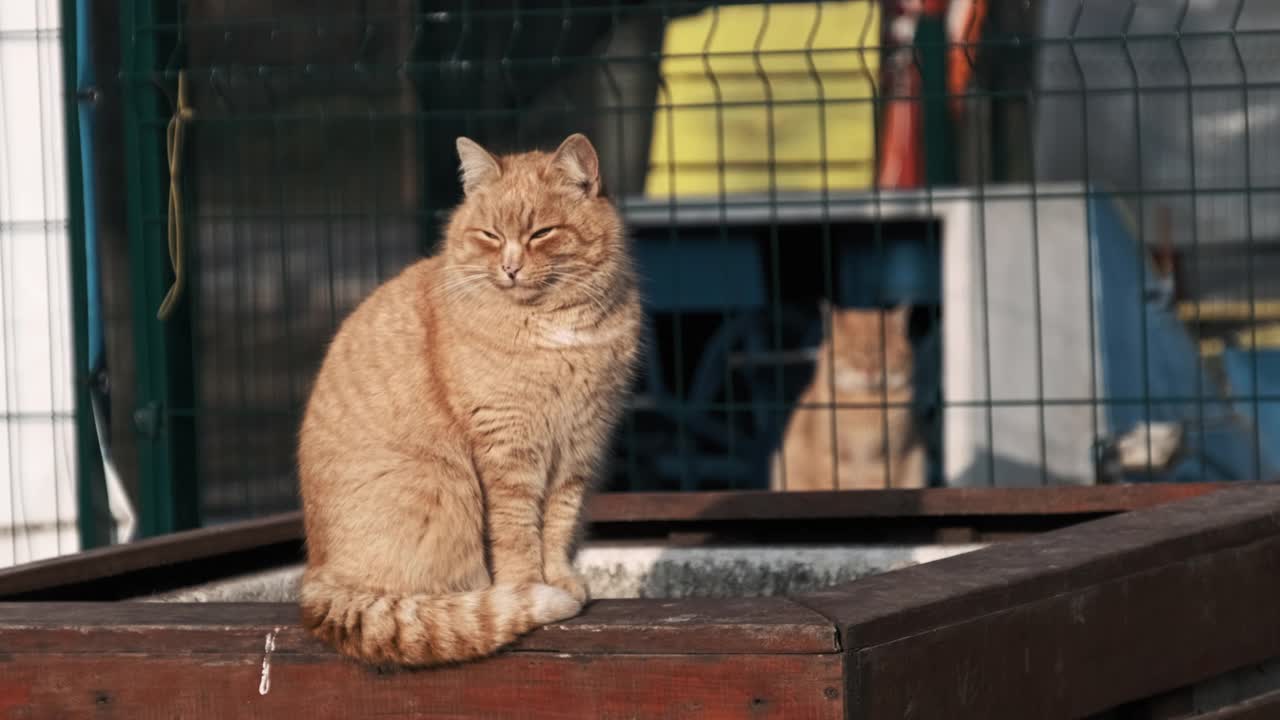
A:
(690, 626)
(1070, 622)
(1063, 625)
(525, 685)
(748, 658)
(934, 502)
(164, 563)
(160, 563)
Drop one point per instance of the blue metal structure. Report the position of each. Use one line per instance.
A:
(1151, 368)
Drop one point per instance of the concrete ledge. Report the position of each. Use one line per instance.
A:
(654, 571)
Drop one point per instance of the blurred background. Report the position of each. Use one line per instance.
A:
(1078, 198)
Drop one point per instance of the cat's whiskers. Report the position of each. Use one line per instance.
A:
(593, 294)
(455, 283)
(453, 287)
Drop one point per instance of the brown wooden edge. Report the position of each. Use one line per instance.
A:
(864, 504)
(186, 558)
(1071, 622)
(765, 657)
(514, 685)
(1061, 625)
(773, 626)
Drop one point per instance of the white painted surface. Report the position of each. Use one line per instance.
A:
(37, 428)
(1017, 332)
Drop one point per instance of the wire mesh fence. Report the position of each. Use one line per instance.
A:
(883, 244)
(38, 459)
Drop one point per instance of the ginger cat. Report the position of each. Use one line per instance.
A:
(461, 414)
(871, 369)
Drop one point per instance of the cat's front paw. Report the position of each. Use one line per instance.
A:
(570, 582)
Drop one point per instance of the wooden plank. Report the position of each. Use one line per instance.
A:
(186, 558)
(767, 624)
(526, 685)
(1087, 650)
(1070, 622)
(282, 532)
(886, 606)
(693, 626)
(934, 502)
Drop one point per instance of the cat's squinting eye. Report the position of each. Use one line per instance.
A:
(541, 233)
(489, 235)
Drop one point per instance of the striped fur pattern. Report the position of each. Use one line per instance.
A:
(461, 414)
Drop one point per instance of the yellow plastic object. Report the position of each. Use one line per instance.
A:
(741, 80)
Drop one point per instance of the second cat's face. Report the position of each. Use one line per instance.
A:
(534, 226)
(868, 356)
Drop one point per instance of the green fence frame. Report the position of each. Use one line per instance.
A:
(168, 485)
(90, 488)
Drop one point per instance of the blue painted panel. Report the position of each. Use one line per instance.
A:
(87, 115)
(895, 271)
(700, 274)
(1160, 380)
(1240, 374)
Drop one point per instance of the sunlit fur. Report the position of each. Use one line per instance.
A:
(870, 440)
(460, 416)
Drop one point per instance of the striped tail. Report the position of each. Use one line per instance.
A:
(422, 630)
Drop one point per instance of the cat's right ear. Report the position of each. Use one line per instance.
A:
(476, 166)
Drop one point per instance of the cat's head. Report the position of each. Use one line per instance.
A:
(534, 225)
(866, 355)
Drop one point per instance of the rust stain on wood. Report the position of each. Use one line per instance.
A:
(14, 695)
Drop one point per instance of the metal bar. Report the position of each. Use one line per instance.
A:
(90, 487)
(166, 447)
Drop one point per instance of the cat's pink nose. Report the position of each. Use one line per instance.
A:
(510, 270)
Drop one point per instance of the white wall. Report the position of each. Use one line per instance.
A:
(37, 404)
(1006, 353)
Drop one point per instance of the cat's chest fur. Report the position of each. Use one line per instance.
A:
(561, 385)
(575, 376)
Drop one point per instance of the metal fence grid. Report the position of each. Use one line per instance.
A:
(38, 452)
(1089, 248)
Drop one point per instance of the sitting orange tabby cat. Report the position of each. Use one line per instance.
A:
(876, 442)
(460, 415)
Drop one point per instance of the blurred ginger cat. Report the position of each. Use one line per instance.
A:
(876, 442)
(460, 415)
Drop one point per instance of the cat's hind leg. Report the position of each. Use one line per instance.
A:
(407, 524)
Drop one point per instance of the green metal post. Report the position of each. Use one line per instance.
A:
(168, 490)
(939, 155)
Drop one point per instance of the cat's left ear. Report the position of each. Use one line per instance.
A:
(577, 160)
(476, 166)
